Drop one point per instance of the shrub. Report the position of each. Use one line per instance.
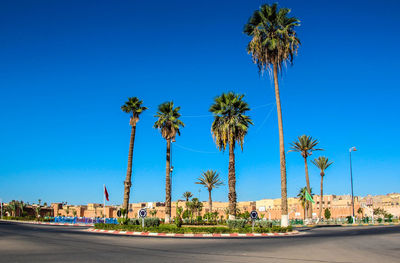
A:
(263, 224)
(178, 221)
(134, 221)
(151, 222)
(327, 213)
(123, 220)
(186, 214)
(349, 219)
(236, 223)
(244, 215)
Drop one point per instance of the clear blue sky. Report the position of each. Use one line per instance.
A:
(66, 67)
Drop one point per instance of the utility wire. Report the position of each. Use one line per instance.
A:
(193, 150)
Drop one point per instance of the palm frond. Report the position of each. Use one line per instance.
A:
(230, 123)
(168, 121)
(322, 163)
(210, 179)
(274, 39)
(305, 145)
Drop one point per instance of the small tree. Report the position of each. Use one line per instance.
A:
(327, 213)
(360, 211)
(37, 210)
(153, 212)
(67, 211)
(74, 212)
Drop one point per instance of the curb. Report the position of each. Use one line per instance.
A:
(46, 223)
(151, 234)
(347, 225)
(381, 224)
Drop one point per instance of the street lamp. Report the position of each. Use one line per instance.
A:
(171, 169)
(352, 149)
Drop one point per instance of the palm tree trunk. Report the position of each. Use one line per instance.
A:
(232, 181)
(284, 204)
(168, 185)
(309, 206)
(128, 181)
(322, 197)
(209, 200)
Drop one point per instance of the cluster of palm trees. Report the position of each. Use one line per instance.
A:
(273, 45)
(17, 208)
(306, 145)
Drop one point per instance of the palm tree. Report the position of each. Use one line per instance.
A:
(230, 126)
(302, 198)
(134, 107)
(274, 43)
(210, 180)
(169, 124)
(21, 208)
(187, 195)
(322, 163)
(13, 205)
(306, 145)
(196, 205)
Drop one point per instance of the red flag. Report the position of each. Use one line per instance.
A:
(106, 193)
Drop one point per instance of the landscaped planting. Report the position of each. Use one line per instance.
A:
(171, 228)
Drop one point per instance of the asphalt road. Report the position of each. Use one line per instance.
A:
(41, 243)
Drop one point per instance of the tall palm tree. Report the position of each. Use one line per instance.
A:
(169, 124)
(229, 127)
(306, 145)
(274, 43)
(322, 163)
(134, 107)
(210, 180)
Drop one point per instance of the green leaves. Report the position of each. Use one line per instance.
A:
(210, 179)
(322, 163)
(305, 145)
(274, 40)
(134, 106)
(230, 123)
(168, 120)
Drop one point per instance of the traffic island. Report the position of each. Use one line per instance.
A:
(191, 235)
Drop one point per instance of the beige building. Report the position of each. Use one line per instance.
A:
(339, 206)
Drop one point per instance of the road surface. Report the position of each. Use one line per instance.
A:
(42, 243)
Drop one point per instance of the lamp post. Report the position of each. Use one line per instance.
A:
(352, 149)
(171, 169)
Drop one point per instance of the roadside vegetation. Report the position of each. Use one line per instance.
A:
(172, 228)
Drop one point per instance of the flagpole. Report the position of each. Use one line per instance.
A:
(104, 199)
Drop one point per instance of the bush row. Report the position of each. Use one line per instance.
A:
(170, 228)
